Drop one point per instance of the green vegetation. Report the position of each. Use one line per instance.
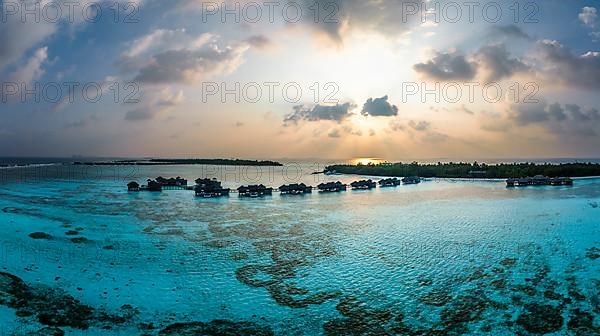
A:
(470, 170)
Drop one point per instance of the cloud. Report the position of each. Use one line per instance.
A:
(434, 137)
(466, 110)
(589, 16)
(32, 69)
(337, 17)
(76, 124)
(396, 126)
(174, 56)
(334, 133)
(447, 66)
(420, 126)
(379, 107)
(544, 113)
(561, 65)
(508, 31)
(190, 66)
(18, 36)
(497, 64)
(319, 112)
(154, 102)
(259, 42)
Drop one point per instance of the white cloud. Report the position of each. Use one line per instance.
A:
(589, 16)
(31, 70)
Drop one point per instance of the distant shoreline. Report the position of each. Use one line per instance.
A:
(470, 171)
(171, 162)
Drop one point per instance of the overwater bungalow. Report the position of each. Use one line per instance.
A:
(208, 188)
(363, 185)
(390, 182)
(538, 180)
(254, 191)
(295, 189)
(411, 180)
(332, 187)
(153, 186)
(172, 182)
(562, 181)
(133, 186)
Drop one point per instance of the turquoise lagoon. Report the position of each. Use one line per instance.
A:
(446, 257)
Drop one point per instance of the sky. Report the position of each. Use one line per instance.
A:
(329, 79)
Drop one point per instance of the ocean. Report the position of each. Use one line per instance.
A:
(444, 257)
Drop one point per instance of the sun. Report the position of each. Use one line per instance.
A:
(366, 161)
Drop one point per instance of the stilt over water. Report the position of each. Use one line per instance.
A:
(332, 187)
(255, 191)
(295, 189)
(208, 188)
(539, 180)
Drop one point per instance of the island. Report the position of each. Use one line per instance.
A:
(171, 162)
(469, 170)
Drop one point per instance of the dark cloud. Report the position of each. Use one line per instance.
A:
(139, 114)
(508, 31)
(543, 112)
(259, 41)
(420, 126)
(335, 133)
(396, 126)
(447, 66)
(556, 112)
(496, 60)
(379, 107)
(338, 16)
(562, 65)
(319, 112)
(531, 113)
(189, 66)
(466, 110)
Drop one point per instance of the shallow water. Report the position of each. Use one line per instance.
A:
(443, 257)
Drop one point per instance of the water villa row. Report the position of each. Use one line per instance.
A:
(539, 180)
(210, 188)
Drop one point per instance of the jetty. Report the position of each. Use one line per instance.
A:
(390, 182)
(254, 191)
(210, 188)
(363, 185)
(539, 180)
(332, 187)
(295, 189)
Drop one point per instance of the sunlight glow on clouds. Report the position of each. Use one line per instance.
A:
(368, 48)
